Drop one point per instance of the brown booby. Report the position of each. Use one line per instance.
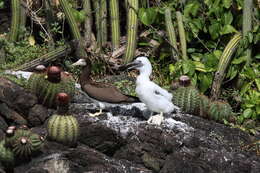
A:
(100, 91)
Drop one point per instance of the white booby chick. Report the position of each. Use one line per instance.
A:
(156, 98)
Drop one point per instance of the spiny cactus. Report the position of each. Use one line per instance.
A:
(63, 127)
(47, 87)
(24, 143)
(171, 32)
(6, 155)
(70, 18)
(220, 110)
(132, 27)
(115, 28)
(182, 35)
(187, 98)
(15, 25)
(203, 106)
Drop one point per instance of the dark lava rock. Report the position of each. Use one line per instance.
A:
(59, 159)
(100, 137)
(11, 116)
(24, 102)
(37, 115)
(3, 124)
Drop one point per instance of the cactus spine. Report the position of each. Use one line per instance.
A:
(115, 28)
(63, 127)
(220, 110)
(15, 20)
(223, 64)
(132, 27)
(187, 98)
(247, 24)
(171, 32)
(70, 18)
(103, 16)
(182, 35)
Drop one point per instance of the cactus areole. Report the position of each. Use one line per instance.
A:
(54, 74)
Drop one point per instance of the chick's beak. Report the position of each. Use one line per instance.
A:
(133, 65)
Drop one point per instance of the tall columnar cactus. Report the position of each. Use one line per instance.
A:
(182, 35)
(223, 64)
(171, 32)
(15, 24)
(88, 22)
(46, 87)
(132, 27)
(103, 16)
(220, 110)
(70, 18)
(115, 28)
(247, 23)
(187, 98)
(6, 155)
(97, 7)
(63, 127)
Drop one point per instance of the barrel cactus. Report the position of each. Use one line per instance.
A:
(203, 106)
(23, 142)
(6, 155)
(220, 110)
(187, 98)
(47, 86)
(63, 127)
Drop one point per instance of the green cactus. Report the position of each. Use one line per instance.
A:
(182, 35)
(187, 98)
(46, 91)
(220, 110)
(103, 23)
(132, 28)
(171, 32)
(63, 129)
(115, 27)
(15, 25)
(97, 8)
(6, 155)
(204, 106)
(26, 143)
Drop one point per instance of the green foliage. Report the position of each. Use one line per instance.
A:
(1, 4)
(147, 15)
(63, 129)
(20, 52)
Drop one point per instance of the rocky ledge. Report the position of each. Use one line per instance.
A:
(120, 140)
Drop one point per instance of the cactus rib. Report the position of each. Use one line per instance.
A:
(182, 35)
(15, 24)
(103, 23)
(70, 18)
(132, 27)
(171, 32)
(115, 28)
(88, 21)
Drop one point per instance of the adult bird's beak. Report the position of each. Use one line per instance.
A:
(133, 65)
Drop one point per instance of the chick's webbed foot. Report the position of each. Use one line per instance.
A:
(156, 119)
